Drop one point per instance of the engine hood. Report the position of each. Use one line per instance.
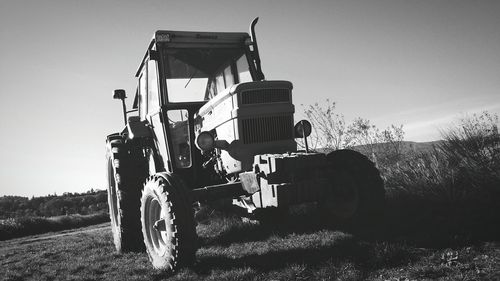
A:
(238, 88)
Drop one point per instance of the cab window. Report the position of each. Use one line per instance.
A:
(142, 95)
(242, 69)
(233, 72)
(199, 74)
(178, 121)
(153, 97)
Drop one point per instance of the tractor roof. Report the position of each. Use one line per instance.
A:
(190, 39)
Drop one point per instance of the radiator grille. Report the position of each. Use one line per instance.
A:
(264, 129)
(265, 96)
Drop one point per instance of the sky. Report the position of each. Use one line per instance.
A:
(421, 64)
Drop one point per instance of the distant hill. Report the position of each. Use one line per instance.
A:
(411, 146)
(407, 146)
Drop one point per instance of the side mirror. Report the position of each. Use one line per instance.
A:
(119, 94)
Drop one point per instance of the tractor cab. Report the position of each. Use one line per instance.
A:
(179, 73)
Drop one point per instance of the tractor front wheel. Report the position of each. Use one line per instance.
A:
(168, 225)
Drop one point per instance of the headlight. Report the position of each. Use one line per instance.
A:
(302, 129)
(205, 141)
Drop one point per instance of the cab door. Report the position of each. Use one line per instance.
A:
(152, 98)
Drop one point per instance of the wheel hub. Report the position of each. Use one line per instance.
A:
(157, 232)
(160, 225)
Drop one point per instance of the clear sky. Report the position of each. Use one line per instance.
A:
(416, 63)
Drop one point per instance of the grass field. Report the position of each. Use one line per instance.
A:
(300, 248)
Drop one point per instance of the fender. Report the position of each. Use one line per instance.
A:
(141, 134)
(137, 128)
(113, 136)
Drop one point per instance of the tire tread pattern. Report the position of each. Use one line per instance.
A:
(128, 174)
(173, 195)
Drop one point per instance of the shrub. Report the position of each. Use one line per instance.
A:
(465, 165)
(18, 227)
(454, 188)
(473, 149)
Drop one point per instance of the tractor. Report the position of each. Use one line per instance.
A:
(206, 125)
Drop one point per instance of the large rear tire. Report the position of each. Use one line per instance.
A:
(168, 224)
(357, 194)
(124, 191)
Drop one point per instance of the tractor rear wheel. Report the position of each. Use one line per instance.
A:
(123, 199)
(168, 224)
(357, 194)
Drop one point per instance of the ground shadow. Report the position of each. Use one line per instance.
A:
(251, 229)
(410, 220)
(440, 224)
(345, 250)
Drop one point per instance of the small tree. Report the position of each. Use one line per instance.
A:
(391, 144)
(330, 132)
(329, 129)
(365, 136)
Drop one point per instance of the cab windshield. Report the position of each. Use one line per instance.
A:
(194, 74)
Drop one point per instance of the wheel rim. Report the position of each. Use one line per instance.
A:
(344, 196)
(158, 239)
